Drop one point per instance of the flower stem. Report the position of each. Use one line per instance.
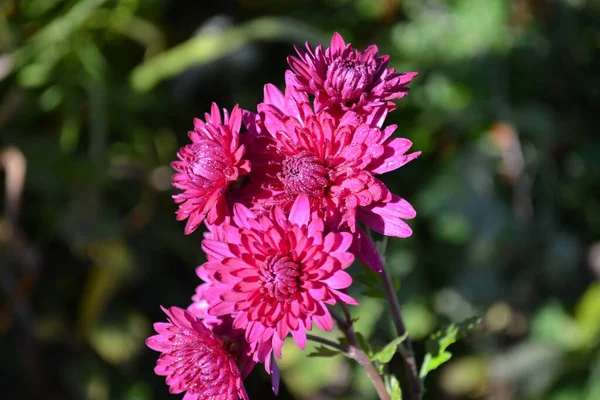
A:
(410, 364)
(327, 342)
(356, 353)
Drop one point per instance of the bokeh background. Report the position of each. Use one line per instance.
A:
(96, 96)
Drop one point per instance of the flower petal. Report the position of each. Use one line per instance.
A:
(300, 211)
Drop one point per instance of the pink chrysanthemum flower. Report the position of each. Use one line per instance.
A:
(197, 361)
(334, 160)
(222, 325)
(341, 75)
(208, 166)
(276, 274)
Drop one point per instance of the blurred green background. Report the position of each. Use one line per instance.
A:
(96, 96)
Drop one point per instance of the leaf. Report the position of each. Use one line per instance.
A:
(393, 387)
(386, 354)
(439, 342)
(371, 280)
(322, 351)
(396, 283)
(206, 48)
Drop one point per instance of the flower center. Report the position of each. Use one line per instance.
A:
(348, 79)
(304, 173)
(280, 277)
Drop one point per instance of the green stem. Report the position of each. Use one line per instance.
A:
(356, 353)
(414, 391)
(327, 342)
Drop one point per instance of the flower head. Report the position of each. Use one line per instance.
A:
(341, 75)
(196, 361)
(276, 273)
(332, 159)
(222, 325)
(208, 166)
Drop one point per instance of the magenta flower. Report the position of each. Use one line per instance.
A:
(332, 160)
(208, 166)
(341, 75)
(222, 325)
(276, 274)
(197, 361)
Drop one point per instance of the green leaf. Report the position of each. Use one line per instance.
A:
(206, 48)
(439, 342)
(322, 351)
(385, 355)
(393, 387)
(372, 282)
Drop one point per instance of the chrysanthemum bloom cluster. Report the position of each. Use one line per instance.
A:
(286, 202)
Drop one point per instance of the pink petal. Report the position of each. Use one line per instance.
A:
(194, 221)
(397, 207)
(274, 371)
(333, 241)
(232, 296)
(222, 308)
(377, 117)
(300, 338)
(337, 43)
(190, 396)
(159, 343)
(341, 296)
(241, 320)
(324, 321)
(386, 218)
(241, 215)
(364, 248)
(273, 96)
(385, 225)
(216, 249)
(315, 228)
(254, 331)
(339, 280)
(277, 345)
(300, 211)
(345, 259)
(318, 293)
(394, 156)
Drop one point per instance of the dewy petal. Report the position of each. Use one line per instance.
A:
(386, 218)
(364, 248)
(397, 207)
(196, 360)
(208, 166)
(394, 156)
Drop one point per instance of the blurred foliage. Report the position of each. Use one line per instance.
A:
(437, 345)
(97, 95)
